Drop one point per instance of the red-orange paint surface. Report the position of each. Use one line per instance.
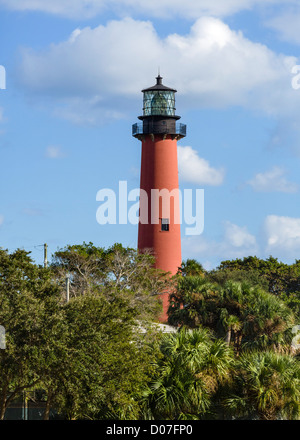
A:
(159, 171)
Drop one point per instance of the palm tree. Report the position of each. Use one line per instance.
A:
(267, 321)
(237, 312)
(192, 267)
(193, 302)
(189, 373)
(230, 323)
(266, 386)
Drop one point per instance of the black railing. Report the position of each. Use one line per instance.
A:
(139, 129)
(181, 129)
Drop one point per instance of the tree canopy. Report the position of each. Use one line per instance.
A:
(99, 354)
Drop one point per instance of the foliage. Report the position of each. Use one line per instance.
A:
(249, 276)
(192, 367)
(29, 312)
(100, 355)
(89, 355)
(266, 386)
(191, 267)
(108, 362)
(117, 269)
(236, 311)
(281, 278)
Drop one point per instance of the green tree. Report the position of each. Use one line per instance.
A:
(29, 312)
(192, 367)
(109, 360)
(192, 267)
(230, 323)
(249, 276)
(266, 385)
(237, 312)
(281, 278)
(114, 297)
(125, 270)
(89, 356)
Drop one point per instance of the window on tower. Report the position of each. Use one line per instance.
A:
(165, 224)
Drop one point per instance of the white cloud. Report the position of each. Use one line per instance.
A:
(272, 181)
(281, 239)
(287, 24)
(283, 236)
(195, 169)
(1, 219)
(67, 8)
(54, 152)
(157, 8)
(104, 69)
(95, 63)
(236, 242)
(238, 236)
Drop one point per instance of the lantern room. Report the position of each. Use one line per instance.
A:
(159, 100)
(159, 113)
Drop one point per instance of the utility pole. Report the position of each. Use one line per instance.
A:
(25, 406)
(45, 255)
(67, 287)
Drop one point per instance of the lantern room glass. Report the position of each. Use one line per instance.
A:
(157, 102)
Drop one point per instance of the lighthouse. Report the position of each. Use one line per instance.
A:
(159, 216)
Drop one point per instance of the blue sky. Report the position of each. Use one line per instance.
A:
(74, 74)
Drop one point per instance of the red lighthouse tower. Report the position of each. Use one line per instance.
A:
(159, 223)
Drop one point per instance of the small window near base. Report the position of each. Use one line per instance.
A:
(165, 224)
